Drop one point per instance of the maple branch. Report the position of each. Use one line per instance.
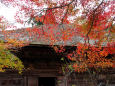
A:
(110, 28)
(60, 6)
(94, 17)
(92, 22)
(65, 15)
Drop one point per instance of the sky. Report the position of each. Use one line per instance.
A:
(9, 13)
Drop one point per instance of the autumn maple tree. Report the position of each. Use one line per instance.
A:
(7, 59)
(93, 23)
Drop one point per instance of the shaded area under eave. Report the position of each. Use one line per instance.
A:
(42, 56)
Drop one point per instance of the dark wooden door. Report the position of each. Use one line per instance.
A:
(47, 81)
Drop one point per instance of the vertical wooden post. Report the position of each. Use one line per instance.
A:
(32, 81)
(65, 80)
(25, 81)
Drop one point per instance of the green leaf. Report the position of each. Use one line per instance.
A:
(62, 59)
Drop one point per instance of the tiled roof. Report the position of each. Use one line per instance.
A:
(47, 34)
(42, 35)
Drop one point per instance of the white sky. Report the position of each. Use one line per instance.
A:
(9, 13)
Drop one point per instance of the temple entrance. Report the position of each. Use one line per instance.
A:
(46, 81)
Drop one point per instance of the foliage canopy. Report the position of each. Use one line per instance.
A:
(93, 21)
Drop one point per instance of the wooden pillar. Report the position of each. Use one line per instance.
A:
(60, 81)
(65, 81)
(25, 81)
(32, 81)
